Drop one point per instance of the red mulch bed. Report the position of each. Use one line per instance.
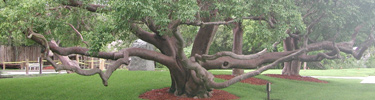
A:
(163, 94)
(48, 67)
(251, 80)
(294, 77)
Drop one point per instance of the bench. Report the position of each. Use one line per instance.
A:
(33, 66)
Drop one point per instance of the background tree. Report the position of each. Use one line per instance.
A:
(163, 23)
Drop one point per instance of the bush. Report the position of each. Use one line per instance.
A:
(370, 63)
(347, 61)
(158, 65)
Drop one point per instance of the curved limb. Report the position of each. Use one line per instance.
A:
(236, 79)
(121, 57)
(73, 68)
(43, 40)
(205, 57)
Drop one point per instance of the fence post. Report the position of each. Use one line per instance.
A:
(101, 64)
(22, 64)
(3, 64)
(40, 60)
(92, 63)
(27, 66)
(3, 57)
(77, 58)
(268, 91)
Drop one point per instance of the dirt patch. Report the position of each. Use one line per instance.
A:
(251, 80)
(295, 77)
(163, 94)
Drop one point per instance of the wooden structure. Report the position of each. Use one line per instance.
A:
(17, 54)
(15, 58)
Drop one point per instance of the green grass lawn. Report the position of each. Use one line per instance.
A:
(128, 85)
(363, 72)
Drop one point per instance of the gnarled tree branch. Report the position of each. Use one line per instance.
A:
(89, 7)
(196, 23)
(236, 79)
(122, 57)
(205, 57)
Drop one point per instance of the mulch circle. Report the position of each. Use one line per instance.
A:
(163, 94)
(48, 67)
(295, 77)
(251, 80)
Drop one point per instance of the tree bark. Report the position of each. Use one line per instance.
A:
(64, 59)
(203, 39)
(237, 45)
(291, 67)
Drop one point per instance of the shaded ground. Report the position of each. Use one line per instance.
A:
(251, 80)
(163, 94)
(300, 78)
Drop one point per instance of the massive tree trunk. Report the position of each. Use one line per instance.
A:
(201, 46)
(183, 83)
(291, 67)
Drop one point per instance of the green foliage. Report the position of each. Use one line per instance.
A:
(16, 16)
(223, 40)
(340, 18)
(347, 61)
(370, 63)
(158, 65)
(51, 19)
(187, 50)
(135, 10)
(188, 32)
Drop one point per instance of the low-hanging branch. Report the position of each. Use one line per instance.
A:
(73, 68)
(205, 57)
(236, 79)
(198, 23)
(121, 57)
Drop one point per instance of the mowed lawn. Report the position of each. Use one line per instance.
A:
(128, 85)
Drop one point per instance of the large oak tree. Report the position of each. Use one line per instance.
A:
(310, 30)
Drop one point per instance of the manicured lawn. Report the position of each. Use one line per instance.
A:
(362, 72)
(336, 89)
(127, 85)
(122, 85)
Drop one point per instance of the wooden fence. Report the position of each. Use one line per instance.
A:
(19, 53)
